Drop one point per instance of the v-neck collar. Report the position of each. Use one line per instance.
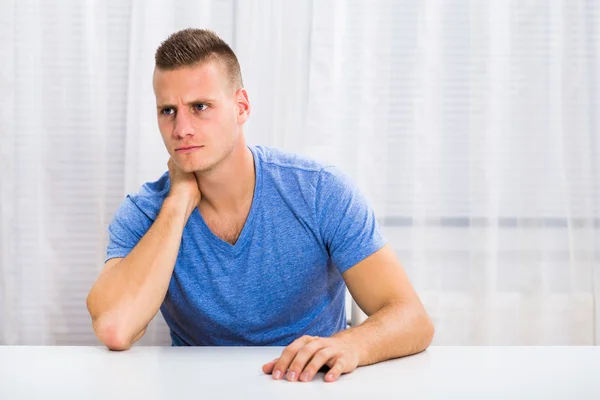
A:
(248, 228)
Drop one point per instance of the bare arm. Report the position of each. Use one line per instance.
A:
(130, 290)
(398, 324)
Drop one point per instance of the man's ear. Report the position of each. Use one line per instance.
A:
(243, 105)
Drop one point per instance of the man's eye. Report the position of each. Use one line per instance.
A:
(200, 107)
(168, 111)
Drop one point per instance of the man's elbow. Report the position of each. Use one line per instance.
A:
(110, 333)
(112, 336)
(426, 331)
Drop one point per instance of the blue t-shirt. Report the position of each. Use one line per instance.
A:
(282, 279)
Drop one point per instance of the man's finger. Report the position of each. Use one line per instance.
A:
(268, 367)
(320, 359)
(304, 355)
(335, 371)
(288, 355)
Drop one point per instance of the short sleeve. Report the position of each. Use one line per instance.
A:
(346, 221)
(127, 227)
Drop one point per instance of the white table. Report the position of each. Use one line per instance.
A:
(235, 372)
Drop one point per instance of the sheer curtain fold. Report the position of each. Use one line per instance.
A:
(469, 126)
(9, 328)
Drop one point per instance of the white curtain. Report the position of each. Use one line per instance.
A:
(471, 126)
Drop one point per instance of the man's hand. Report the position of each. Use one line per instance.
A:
(184, 187)
(306, 355)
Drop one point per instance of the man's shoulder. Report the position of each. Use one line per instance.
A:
(159, 188)
(286, 167)
(281, 159)
(150, 196)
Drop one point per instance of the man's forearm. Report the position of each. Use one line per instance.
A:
(126, 297)
(396, 330)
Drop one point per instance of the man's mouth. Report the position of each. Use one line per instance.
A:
(187, 149)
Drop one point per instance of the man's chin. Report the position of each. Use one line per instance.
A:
(191, 166)
(200, 169)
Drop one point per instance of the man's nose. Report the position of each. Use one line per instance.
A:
(183, 124)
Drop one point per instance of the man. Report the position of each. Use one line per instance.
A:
(242, 245)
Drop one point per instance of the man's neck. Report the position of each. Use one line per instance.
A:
(230, 186)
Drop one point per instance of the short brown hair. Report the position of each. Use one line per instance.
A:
(191, 47)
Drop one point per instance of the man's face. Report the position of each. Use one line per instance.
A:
(199, 114)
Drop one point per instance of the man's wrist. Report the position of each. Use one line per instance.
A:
(356, 339)
(178, 205)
